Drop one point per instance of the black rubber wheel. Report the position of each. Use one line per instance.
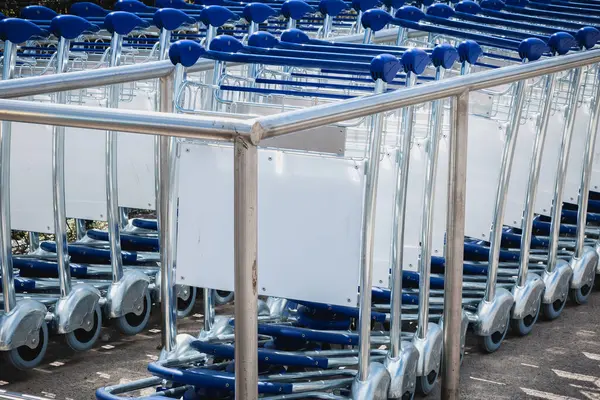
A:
(185, 306)
(24, 358)
(131, 324)
(553, 310)
(426, 383)
(524, 326)
(492, 343)
(82, 340)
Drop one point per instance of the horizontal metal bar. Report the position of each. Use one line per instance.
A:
(146, 122)
(44, 84)
(382, 36)
(313, 117)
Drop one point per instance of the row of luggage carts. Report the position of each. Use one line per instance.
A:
(352, 216)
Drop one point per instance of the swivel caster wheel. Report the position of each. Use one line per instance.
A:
(524, 326)
(131, 324)
(581, 296)
(186, 299)
(222, 297)
(491, 343)
(426, 383)
(82, 340)
(408, 396)
(24, 357)
(553, 310)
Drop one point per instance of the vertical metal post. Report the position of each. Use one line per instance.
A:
(586, 169)
(327, 24)
(58, 178)
(245, 205)
(8, 288)
(532, 183)
(80, 229)
(34, 241)
(291, 23)
(563, 163)
(502, 192)
(165, 224)
(112, 189)
(437, 110)
(368, 35)
(367, 241)
(455, 236)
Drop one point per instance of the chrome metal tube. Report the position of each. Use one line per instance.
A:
(435, 123)
(58, 179)
(112, 189)
(512, 132)
(165, 224)
(209, 309)
(398, 224)
(327, 24)
(563, 162)
(211, 32)
(367, 240)
(532, 182)
(586, 169)
(34, 241)
(245, 240)
(279, 124)
(455, 236)
(8, 286)
(368, 35)
(291, 23)
(164, 42)
(80, 229)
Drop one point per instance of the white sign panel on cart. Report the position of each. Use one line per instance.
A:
(309, 219)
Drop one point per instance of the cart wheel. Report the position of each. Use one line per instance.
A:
(26, 358)
(82, 340)
(425, 384)
(581, 295)
(186, 305)
(491, 343)
(222, 297)
(524, 326)
(552, 310)
(131, 324)
(408, 396)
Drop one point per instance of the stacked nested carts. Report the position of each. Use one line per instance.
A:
(312, 139)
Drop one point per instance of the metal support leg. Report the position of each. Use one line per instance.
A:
(245, 269)
(455, 231)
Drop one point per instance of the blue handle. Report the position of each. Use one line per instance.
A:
(38, 12)
(18, 30)
(341, 338)
(342, 310)
(71, 26)
(86, 9)
(213, 379)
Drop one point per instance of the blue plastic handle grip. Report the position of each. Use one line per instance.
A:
(272, 357)
(213, 379)
(341, 338)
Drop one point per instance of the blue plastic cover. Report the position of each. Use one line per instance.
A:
(561, 42)
(332, 7)
(86, 9)
(185, 52)
(226, 44)
(532, 49)
(492, 4)
(258, 12)
(409, 13)
(217, 16)
(440, 10)
(364, 5)
(71, 26)
(38, 13)
(444, 55)
(468, 7)
(469, 51)
(294, 36)
(17, 30)
(171, 19)
(587, 37)
(262, 39)
(385, 67)
(296, 9)
(123, 23)
(133, 6)
(375, 19)
(415, 60)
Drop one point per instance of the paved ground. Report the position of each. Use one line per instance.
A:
(559, 361)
